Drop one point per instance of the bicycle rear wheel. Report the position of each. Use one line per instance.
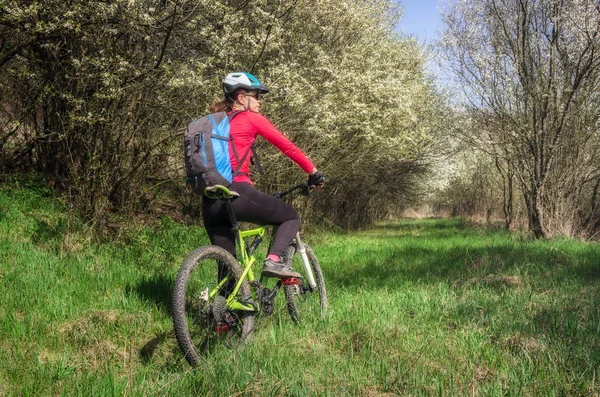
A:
(303, 300)
(201, 320)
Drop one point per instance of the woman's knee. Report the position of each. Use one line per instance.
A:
(294, 214)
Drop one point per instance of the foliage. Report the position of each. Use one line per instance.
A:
(95, 96)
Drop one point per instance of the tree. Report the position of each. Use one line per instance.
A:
(531, 72)
(95, 95)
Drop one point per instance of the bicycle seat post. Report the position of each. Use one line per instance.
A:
(220, 192)
(234, 224)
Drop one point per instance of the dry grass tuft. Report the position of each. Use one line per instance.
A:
(525, 343)
(48, 357)
(95, 321)
(481, 375)
(99, 342)
(492, 280)
(373, 391)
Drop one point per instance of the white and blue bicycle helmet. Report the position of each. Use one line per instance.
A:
(243, 80)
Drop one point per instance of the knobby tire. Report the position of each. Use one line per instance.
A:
(183, 302)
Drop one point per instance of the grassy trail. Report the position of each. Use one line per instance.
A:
(430, 307)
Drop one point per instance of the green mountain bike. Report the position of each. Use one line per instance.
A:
(216, 297)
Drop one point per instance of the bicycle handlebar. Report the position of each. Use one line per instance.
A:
(302, 186)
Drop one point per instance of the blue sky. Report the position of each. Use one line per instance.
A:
(422, 19)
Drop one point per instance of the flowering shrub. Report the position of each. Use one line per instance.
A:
(95, 95)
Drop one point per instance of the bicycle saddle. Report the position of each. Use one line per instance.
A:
(219, 192)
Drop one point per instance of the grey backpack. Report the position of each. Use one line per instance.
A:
(206, 151)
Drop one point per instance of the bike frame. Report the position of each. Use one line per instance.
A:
(247, 260)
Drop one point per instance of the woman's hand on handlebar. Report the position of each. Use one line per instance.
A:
(316, 180)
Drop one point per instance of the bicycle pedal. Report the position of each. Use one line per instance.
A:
(290, 281)
(222, 329)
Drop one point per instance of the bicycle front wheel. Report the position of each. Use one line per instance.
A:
(303, 300)
(201, 316)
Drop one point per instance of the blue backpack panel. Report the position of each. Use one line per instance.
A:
(206, 151)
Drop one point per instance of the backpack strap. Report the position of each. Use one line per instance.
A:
(252, 149)
(255, 159)
(237, 158)
(233, 114)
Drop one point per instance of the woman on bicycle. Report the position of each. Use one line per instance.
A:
(243, 94)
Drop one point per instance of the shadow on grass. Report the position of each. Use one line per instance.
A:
(429, 223)
(147, 351)
(45, 232)
(155, 290)
(433, 229)
(423, 253)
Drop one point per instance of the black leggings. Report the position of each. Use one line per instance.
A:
(251, 206)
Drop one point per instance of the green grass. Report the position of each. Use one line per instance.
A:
(431, 307)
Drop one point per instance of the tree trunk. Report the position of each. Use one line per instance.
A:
(508, 201)
(534, 212)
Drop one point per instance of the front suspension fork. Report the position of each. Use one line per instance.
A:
(309, 273)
